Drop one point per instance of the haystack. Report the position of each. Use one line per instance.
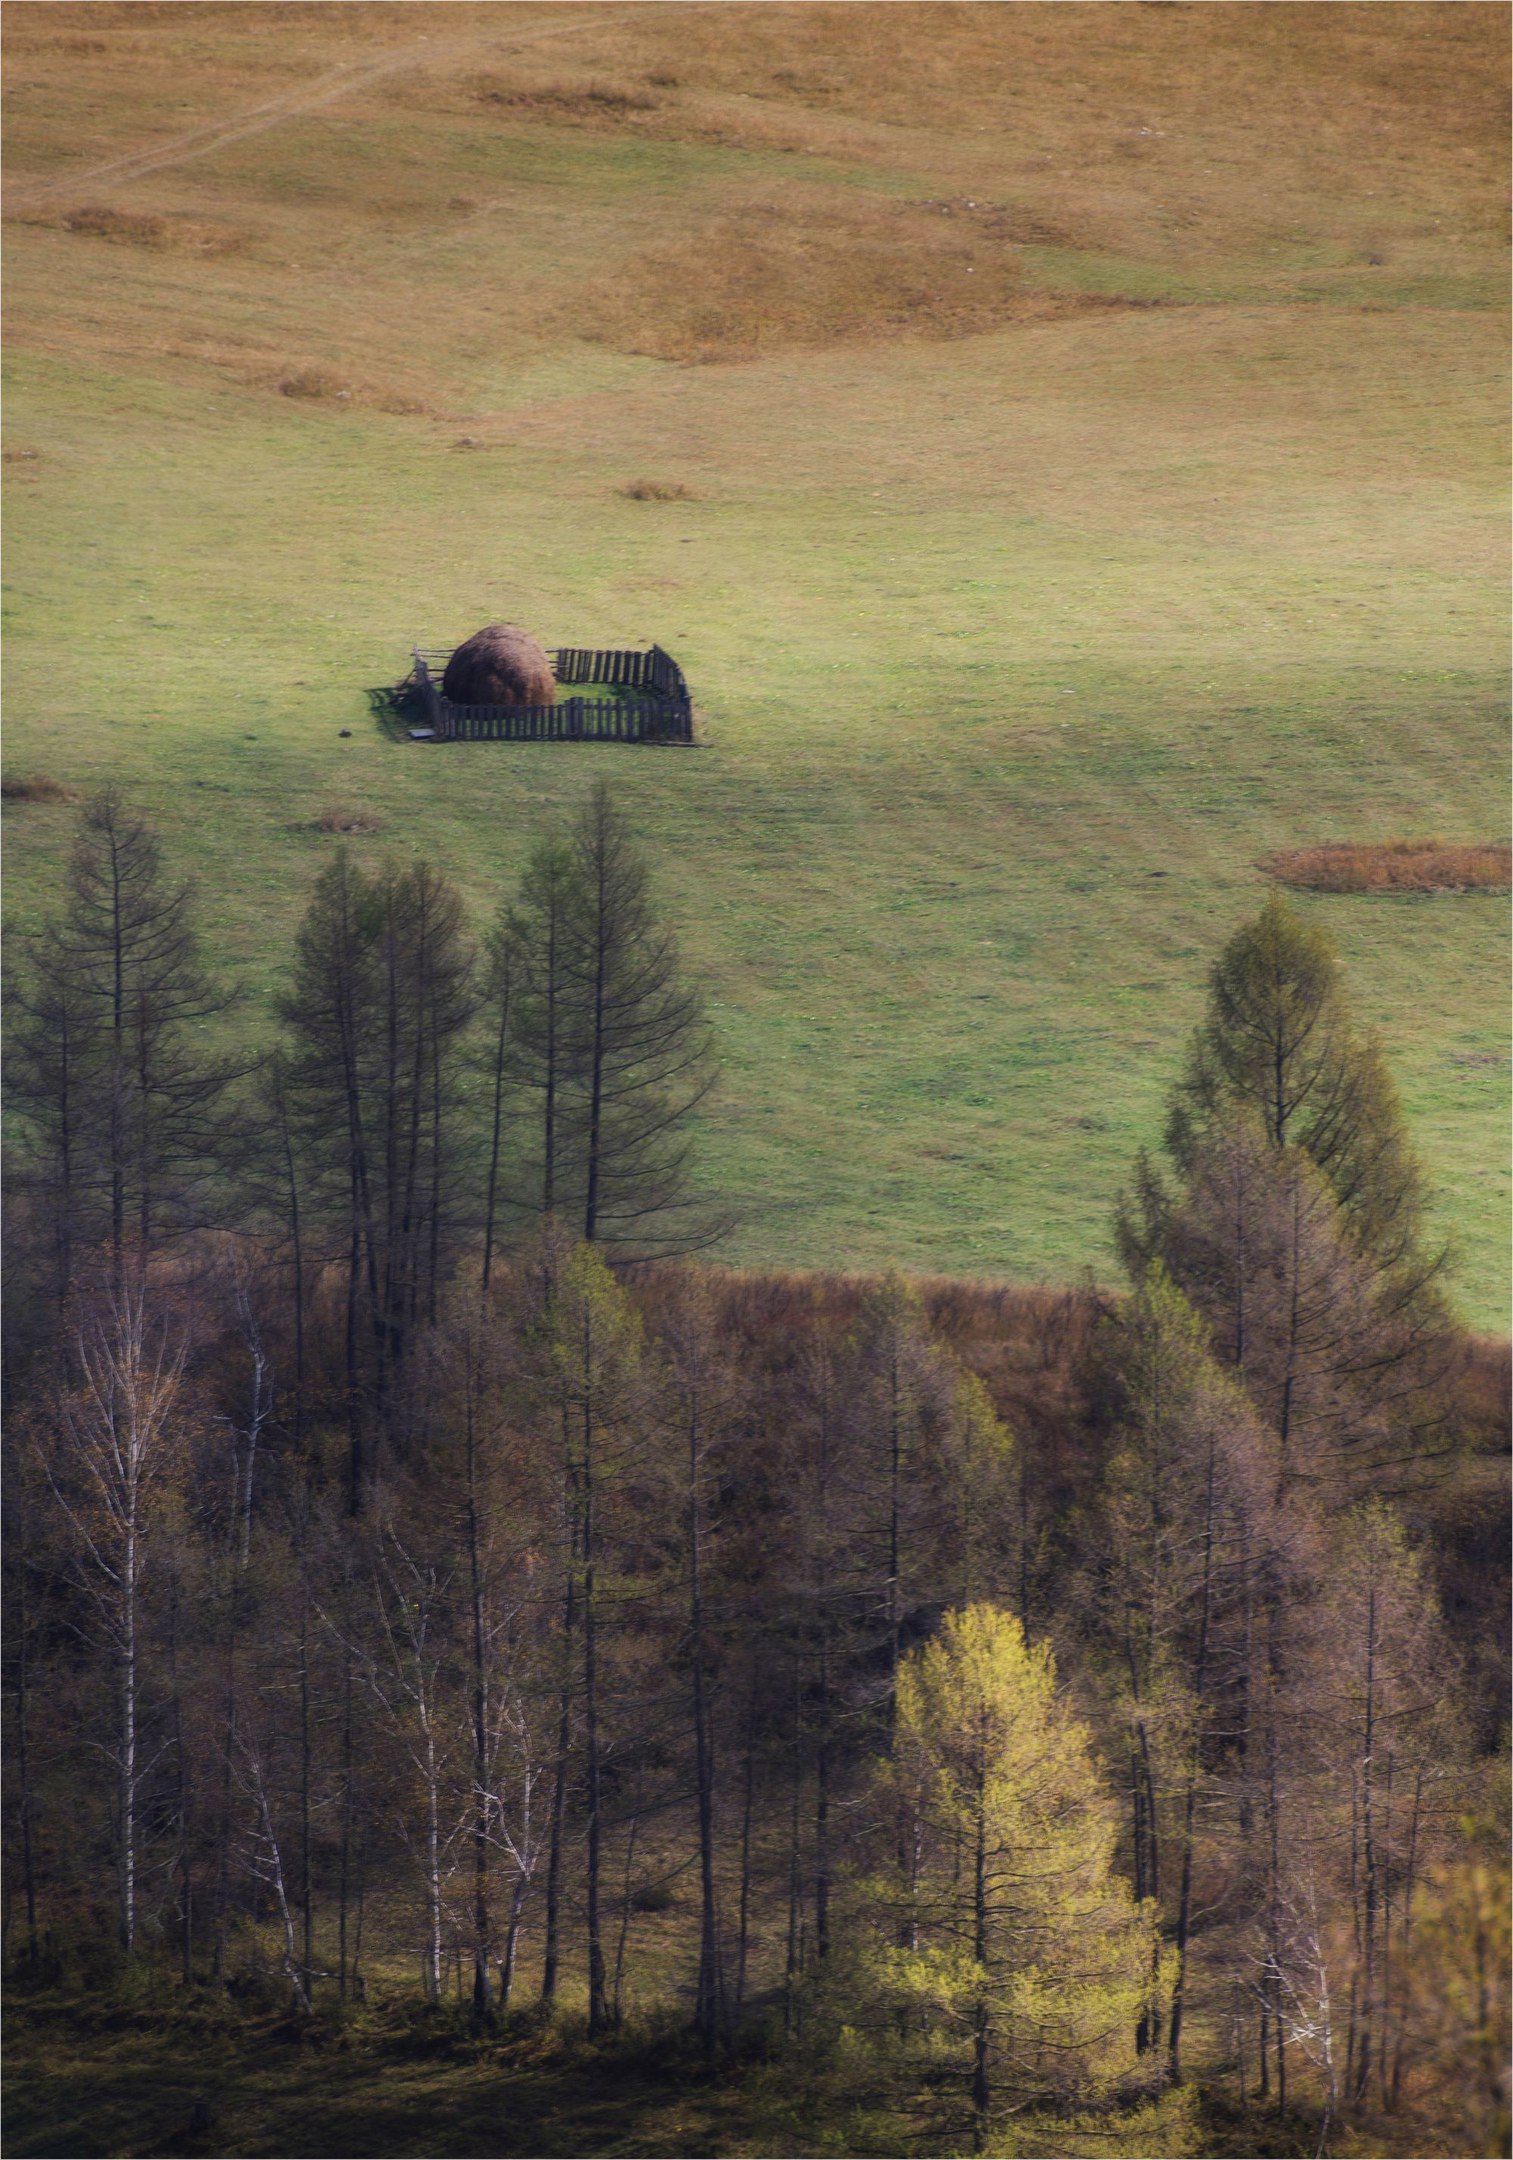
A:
(499, 665)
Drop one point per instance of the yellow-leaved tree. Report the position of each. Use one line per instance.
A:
(1019, 1961)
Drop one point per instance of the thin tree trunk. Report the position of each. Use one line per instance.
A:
(744, 1923)
(512, 1940)
(496, 1133)
(433, 1972)
(1369, 1858)
(552, 1922)
(980, 2015)
(1190, 1796)
(480, 1709)
(793, 1960)
(306, 1777)
(26, 1800)
(625, 1910)
(1410, 1874)
(128, 1744)
(598, 2008)
(710, 1987)
(181, 1799)
(344, 1874)
(596, 1054)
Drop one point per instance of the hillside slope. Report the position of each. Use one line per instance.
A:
(1090, 422)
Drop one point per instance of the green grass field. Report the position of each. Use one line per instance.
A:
(1022, 617)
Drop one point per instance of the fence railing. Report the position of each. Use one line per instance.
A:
(664, 714)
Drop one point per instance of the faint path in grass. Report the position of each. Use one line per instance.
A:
(327, 89)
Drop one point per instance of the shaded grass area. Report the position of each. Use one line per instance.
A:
(1013, 653)
(89, 2078)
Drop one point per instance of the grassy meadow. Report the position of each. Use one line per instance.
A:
(1090, 422)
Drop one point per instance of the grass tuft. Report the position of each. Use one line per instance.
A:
(657, 491)
(336, 819)
(1394, 866)
(315, 382)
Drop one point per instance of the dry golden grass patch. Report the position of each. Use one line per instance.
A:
(814, 268)
(146, 229)
(1394, 866)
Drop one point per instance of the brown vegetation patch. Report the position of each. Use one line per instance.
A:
(335, 819)
(315, 382)
(34, 787)
(563, 98)
(813, 269)
(657, 491)
(146, 229)
(1394, 866)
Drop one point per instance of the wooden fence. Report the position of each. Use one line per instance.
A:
(664, 714)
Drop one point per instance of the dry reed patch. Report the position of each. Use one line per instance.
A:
(657, 491)
(1394, 866)
(337, 819)
(34, 787)
(811, 270)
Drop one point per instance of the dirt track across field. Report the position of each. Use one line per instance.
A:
(327, 89)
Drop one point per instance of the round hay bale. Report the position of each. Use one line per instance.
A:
(499, 665)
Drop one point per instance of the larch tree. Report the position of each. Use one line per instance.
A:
(642, 1058)
(120, 1101)
(1343, 1359)
(1185, 1501)
(586, 1390)
(1277, 1038)
(540, 931)
(376, 1012)
(499, 1003)
(1023, 1957)
(701, 1396)
(1384, 1691)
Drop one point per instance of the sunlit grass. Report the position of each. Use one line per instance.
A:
(1014, 654)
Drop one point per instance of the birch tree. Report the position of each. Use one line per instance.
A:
(112, 1463)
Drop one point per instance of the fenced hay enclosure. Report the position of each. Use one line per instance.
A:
(658, 710)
